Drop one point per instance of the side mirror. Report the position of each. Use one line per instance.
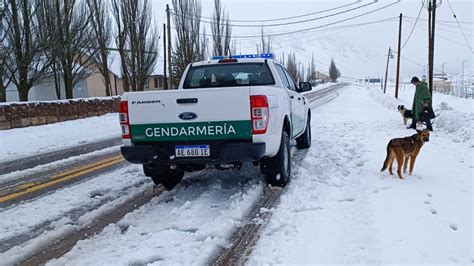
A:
(305, 86)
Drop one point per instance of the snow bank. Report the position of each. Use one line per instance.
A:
(27, 141)
(454, 116)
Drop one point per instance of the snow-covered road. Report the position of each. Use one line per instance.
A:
(339, 207)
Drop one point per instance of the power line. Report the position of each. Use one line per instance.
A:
(339, 29)
(278, 24)
(293, 17)
(313, 28)
(445, 38)
(446, 30)
(444, 21)
(411, 32)
(459, 25)
(348, 26)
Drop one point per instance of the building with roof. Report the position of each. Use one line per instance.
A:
(92, 86)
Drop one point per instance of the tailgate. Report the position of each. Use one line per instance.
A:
(187, 115)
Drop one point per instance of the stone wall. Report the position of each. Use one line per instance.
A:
(13, 115)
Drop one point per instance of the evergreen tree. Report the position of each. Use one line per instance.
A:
(334, 73)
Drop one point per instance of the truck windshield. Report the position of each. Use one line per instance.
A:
(228, 75)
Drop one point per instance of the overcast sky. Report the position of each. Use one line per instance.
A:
(374, 39)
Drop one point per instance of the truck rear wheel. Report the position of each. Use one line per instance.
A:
(164, 175)
(277, 169)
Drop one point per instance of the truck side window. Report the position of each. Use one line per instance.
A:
(283, 78)
(290, 79)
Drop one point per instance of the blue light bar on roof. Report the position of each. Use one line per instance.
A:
(267, 56)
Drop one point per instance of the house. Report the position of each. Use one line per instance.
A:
(318, 77)
(92, 86)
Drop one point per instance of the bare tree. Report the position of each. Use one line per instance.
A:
(334, 73)
(221, 30)
(120, 41)
(66, 27)
(5, 76)
(48, 30)
(292, 66)
(190, 46)
(78, 42)
(233, 48)
(27, 65)
(102, 32)
(311, 69)
(265, 46)
(137, 41)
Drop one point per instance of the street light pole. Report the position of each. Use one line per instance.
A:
(462, 81)
(442, 67)
(389, 55)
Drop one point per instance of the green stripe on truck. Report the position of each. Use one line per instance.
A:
(217, 130)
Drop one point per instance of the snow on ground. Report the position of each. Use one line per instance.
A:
(27, 141)
(182, 227)
(339, 207)
(57, 213)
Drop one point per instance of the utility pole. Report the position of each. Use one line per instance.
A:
(170, 75)
(433, 23)
(165, 80)
(432, 6)
(429, 48)
(398, 55)
(389, 55)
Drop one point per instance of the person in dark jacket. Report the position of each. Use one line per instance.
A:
(422, 109)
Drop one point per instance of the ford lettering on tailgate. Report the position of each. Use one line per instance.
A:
(192, 131)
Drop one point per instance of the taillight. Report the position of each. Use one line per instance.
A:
(228, 60)
(260, 113)
(123, 117)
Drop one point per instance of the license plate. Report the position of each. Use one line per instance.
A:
(193, 151)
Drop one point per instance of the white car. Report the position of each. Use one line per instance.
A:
(225, 111)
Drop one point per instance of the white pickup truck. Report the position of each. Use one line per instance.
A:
(225, 111)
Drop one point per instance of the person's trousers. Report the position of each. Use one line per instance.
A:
(426, 121)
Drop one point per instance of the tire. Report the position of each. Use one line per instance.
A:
(277, 169)
(163, 175)
(304, 141)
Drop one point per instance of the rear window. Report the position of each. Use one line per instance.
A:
(228, 75)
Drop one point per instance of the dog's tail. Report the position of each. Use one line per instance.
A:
(387, 159)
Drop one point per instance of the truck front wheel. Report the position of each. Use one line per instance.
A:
(277, 169)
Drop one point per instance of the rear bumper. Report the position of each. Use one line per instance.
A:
(163, 155)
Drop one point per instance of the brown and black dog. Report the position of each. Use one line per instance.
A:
(404, 149)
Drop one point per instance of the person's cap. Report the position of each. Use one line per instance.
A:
(415, 80)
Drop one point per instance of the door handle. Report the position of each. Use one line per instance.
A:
(187, 100)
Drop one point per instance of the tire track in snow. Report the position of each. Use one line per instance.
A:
(63, 245)
(246, 237)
